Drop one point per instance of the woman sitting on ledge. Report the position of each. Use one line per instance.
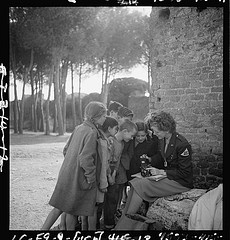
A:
(173, 160)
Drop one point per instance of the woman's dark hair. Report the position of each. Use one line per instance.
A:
(109, 122)
(162, 120)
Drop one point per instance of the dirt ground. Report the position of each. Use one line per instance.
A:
(35, 160)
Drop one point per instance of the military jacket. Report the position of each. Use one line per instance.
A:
(176, 161)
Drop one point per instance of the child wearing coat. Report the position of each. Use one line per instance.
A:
(76, 189)
(127, 131)
(108, 129)
(142, 144)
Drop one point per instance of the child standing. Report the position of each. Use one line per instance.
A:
(141, 144)
(113, 109)
(75, 191)
(124, 113)
(126, 132)
(108, 129)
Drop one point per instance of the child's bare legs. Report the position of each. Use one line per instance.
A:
(62, 224)
(84, 223)
(51, 218)
(92, 220)
(71, 221)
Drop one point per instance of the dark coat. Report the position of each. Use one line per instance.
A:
(148, 147)
(178, 158)
(80, 166)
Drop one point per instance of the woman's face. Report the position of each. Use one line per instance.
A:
(160, 134)
(101, 120)
(140, 136)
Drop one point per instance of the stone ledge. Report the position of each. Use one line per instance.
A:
(172, 212)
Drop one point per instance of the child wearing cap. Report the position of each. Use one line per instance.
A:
(125, 113)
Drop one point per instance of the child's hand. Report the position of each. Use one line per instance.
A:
(111, 180)
(104, 190)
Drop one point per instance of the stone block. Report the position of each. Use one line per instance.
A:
(202, 164)
(217, 89)
(197, 97)
(211, 96)
(172, 212)
(220, 97)
(216, 172)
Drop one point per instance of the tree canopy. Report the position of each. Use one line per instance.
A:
(46, 41)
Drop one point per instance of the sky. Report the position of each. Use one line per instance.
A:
(90, 83)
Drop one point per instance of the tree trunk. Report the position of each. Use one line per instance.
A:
(33, 112)
(25, 79)
(15, 104)
(73, 99)
(15, 90)
(149, 75)
(41, 114)
(79, 93)
(47, 114)
(106, 88)
(57, 97)
(63, 81)
(55, 118)
(102, 75)
(21, 112)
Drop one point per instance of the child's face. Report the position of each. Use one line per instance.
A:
(112, 131)
(113, 114)
(101, 120)
(127, 136)
(140, 136)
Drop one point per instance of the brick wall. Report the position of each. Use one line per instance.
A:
(187, 81)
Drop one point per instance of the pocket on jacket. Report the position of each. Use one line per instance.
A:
(84, 185)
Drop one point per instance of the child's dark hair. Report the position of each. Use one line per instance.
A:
(114, 106)
(142, 126)
(109, 122)
(128, 125)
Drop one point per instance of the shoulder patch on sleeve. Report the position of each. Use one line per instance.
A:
(185, 153)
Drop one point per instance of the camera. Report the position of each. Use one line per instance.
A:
(145, 172)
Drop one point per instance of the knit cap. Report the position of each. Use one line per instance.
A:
(125, 112)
